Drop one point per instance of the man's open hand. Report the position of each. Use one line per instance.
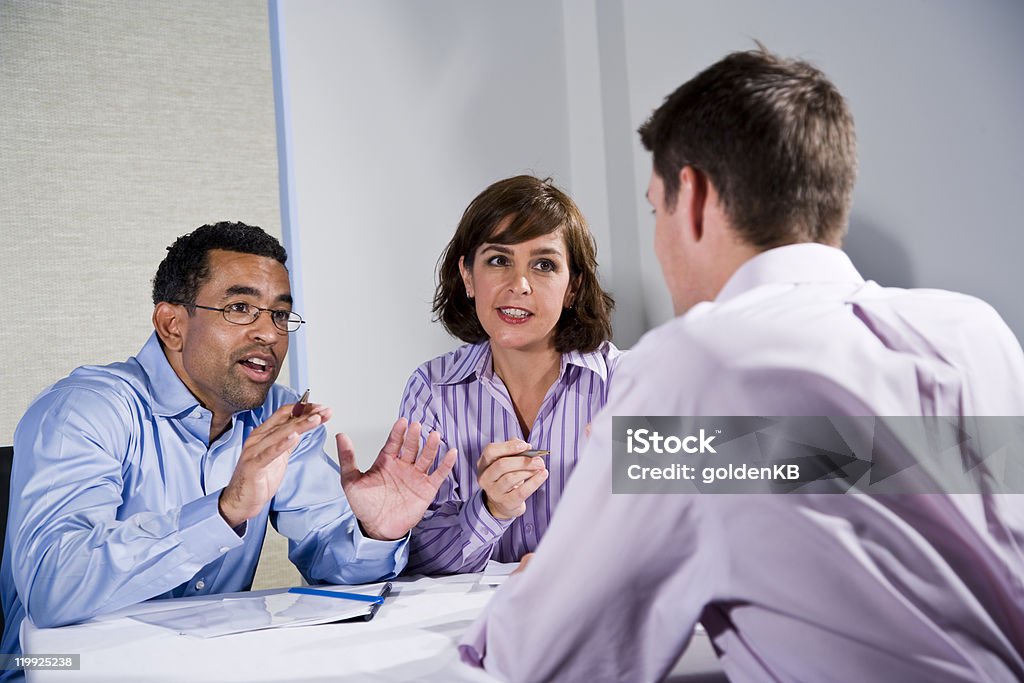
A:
(391, 497)
(263, 462)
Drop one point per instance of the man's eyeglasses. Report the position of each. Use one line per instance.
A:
(241, 313)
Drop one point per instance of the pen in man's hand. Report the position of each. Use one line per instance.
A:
(300, 407)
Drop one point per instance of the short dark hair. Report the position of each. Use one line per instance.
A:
(186, 266)
(537, 208)
(775, 138)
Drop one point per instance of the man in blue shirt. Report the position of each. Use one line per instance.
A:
(155, 477)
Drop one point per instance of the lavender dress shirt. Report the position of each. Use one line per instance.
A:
(790, 587)
(459, 395)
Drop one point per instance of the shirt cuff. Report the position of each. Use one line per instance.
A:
(203, 531)
(367, 548)
(473, 645)
(481, 519)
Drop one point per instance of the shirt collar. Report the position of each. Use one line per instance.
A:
(593, 361)
(468, 366)
(794, 263)
(168, 394)
(478, 363)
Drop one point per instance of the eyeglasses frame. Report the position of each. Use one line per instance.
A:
(259, 311)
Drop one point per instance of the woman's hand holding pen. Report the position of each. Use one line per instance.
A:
(509, 476)
(264, 459)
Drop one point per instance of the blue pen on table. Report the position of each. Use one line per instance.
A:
(376, 600)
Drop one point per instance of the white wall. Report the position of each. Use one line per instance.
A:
(401, 111)
(936, 91)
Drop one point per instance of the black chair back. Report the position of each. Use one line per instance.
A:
(6, 460)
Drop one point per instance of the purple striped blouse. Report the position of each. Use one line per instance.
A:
(459, 395)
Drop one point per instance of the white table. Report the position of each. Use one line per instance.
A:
(412, 638)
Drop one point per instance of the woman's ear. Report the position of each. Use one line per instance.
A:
(571, 291)
(467, 276)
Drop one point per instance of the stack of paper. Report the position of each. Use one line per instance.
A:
(496, 573)
(239, 614)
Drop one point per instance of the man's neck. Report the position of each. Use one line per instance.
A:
(724, 253)
(218, 425)
(220, 419)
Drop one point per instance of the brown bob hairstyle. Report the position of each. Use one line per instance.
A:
(537, 208)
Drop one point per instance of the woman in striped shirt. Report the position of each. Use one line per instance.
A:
(518, 283)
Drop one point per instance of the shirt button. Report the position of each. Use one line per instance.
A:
(200, 585)
(223, 549)
(529, 528)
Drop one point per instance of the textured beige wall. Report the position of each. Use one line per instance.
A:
(122, 125)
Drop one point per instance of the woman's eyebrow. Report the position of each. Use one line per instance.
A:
(540, 251)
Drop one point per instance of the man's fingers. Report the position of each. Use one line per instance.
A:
(283, 415)
(347, 459)
(316, 409)
(394, 442)
(281, 422)
(411, 443)
(298, 427)
(277, 420)
(280, 415)
(444, 468)
(270, 448)
(429, 452)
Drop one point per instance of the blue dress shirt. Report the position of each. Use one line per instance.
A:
(114, 495)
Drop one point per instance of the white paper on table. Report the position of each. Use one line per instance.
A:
(241, 614)
(496, 573)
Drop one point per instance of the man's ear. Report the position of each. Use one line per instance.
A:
(467, 277)
(167, 321)
(693, 196)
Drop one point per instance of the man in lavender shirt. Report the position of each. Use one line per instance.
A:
(753, 169)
